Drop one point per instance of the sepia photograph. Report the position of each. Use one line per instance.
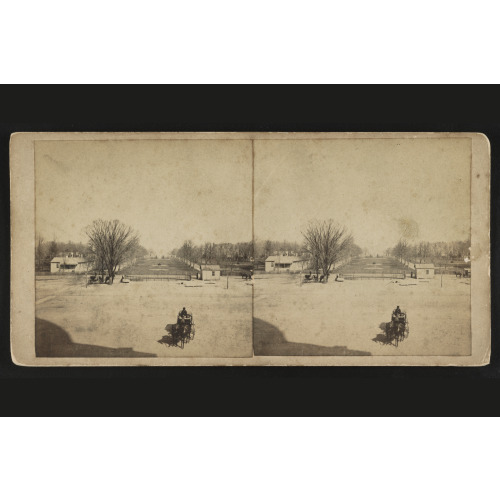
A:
(250, 249)
(364, 247)
(140, 248)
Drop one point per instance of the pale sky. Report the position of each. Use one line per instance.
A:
(168, 190)
(172, 190)
(366, 184)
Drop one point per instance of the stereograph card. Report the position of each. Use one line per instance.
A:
(174, 249)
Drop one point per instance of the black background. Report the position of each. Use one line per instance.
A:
(239, 390)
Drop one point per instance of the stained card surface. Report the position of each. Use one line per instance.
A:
(250, 249)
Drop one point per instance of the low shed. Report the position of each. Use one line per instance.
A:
(209, 272)
(68, 264)
(284, 263)
(424, 271)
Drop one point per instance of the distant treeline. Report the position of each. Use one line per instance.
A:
(219, 253)
(246, 251)
(216, 253)
(425, 251)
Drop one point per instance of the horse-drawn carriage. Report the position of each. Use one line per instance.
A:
(98, 279)
(183, 330)
(398, 328)
(313, 278)
(247, 275)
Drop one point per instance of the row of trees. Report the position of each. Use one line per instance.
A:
(264, 249)
(424, 251)
(215, 253)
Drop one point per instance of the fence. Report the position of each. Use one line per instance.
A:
(234, 272)
(158, 277)
(368, 276)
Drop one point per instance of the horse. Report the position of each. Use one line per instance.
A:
(458, 274)
(246, 276)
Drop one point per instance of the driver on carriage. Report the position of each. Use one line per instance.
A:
(397, 314)
(183, 315)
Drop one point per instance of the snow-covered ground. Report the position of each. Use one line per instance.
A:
(129, 319)
(289, 318)
(348, 318)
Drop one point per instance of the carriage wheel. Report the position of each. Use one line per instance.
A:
(191, 328)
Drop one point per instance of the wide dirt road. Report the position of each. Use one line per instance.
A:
(349, 318)
(128, 320)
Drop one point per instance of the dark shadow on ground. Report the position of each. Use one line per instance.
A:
(270, 341)
(52, 341)
(381, 338)
(168, 340)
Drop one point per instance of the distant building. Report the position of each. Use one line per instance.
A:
(285, 263)
(68, 265)
(425, 271)
(209, 272)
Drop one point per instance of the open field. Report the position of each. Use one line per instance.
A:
(373, 265)
(348, 318)
(158, 266)
(128, 320)
(172, 265)
(290, 318)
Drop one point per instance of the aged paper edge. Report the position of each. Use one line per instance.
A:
(23, 273)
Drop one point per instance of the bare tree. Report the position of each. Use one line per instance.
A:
(268, 248)
(53, 249)
(111, 243)
(186, 251)
(40, 251)
(401, 250)
(423, 250)
(209, 252)
(326, 242)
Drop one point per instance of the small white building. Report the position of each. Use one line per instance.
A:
(285, 263)
(424, 271)
(68, 265)
(209, 272)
